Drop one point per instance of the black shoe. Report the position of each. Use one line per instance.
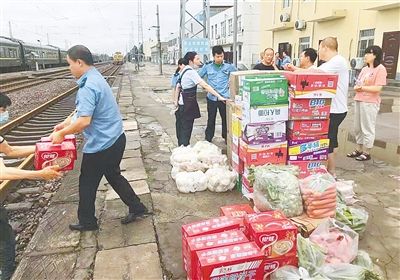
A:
(137, 214)
(81, 227)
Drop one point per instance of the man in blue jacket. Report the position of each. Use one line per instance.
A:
(217, 73)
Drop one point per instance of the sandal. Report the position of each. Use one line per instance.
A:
(354, 154)
(363, 157)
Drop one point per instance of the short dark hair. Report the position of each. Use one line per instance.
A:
(217, 50)
(82, 53)
(311, 53)
(5, 101)
(269, 49)
(189, 56)
(377, 51)
(180, 62)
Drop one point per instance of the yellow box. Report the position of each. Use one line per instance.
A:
(236, 126)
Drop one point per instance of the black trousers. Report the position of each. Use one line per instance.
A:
(7, 246)
(184, 127)
(94, 166)
(212, 107)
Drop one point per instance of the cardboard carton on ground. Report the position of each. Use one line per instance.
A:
(309, 108)
(204, 242)
(48, 154)
(264, 114)
(268, 266)
(274, 153)
(271, 90)
(236, 79)
(309, 167)
(264, 133)
(237, 211)
(239, 261)
(305, 224)
(301, 128)
(276, 238)
(311, 85)
(214, 225)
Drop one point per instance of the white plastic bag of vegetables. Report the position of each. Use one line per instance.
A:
(311, 256)
(220, 179)
(185, 159)
(346, 271)
(289, 272)
(277, 190)
(355, 218)
(187, 182)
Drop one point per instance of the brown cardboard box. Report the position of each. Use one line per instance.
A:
(229, 109)
(305, 224)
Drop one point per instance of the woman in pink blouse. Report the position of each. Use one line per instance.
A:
(367, 100)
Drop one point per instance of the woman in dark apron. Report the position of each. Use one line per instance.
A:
(188, 107)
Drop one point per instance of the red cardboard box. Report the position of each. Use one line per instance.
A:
(276, 238)
(262, 217)
(313, 156)
(309, 108)
(68, 138)
(309, 167)
(270, 265)
(305, 138)
(275, 153)
(237, 163)
(214, 240)
(306, 147)
(214, 225)
(311, 85)
(307, 127)
(239, 261)
(236, 211)
(47, 154)
(247, 188)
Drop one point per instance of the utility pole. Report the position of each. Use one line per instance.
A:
(235, 31)
(9, 29)
(159, 40)
(182, 27)
(48, 41)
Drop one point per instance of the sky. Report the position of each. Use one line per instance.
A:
(104, 26)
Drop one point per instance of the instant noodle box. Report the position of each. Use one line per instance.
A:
(309, 108)
(268, 266)
(68, 138)
(235, 262)
(306, 168)
(313, 156)
(311, 85)
(269, 90)
(236, 211)
(307, 147)
(276, 238)
(262, 217)
(204, 242)
(307, 128)
(304, 137)
(214, 225)
(274, 153)
(264, 114)
(48, 154)
(264, 133)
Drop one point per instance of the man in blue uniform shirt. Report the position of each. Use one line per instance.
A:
(97, 115)
(217, 73)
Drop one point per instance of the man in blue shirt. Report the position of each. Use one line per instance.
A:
(217, 73)
(97, 115)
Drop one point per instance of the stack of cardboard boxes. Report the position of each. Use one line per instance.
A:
(309, 108)
(258, 121)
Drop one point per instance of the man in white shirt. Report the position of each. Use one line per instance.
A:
(335, 64)
(307, 59)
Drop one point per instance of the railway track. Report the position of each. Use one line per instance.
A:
(30, 127)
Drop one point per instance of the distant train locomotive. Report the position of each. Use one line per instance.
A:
(16, 55)
(118, 58)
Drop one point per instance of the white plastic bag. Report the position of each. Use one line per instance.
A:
(206, 146)
(342, 271)
(346, 190)
(289, 272)
(185, 158)
(338, 241)
(220, 179)
(187, 182)
(311, 256)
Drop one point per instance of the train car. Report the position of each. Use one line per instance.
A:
(10, 55)
(45, 56)
(118, 58)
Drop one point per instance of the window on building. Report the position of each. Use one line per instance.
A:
(212, 32)
(240, 53)
(304, 43)
(239, 23)
(230, 27)
(216, 31)
(286, 3)
(366, 40)
(223, 29)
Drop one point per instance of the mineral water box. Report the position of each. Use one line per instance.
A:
(264, 114)
(265, 91)
(48, 154)
(311, 85)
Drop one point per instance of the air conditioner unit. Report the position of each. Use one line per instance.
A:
(357, 63)
(300, 24)
(285, 17)
(296, 62)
